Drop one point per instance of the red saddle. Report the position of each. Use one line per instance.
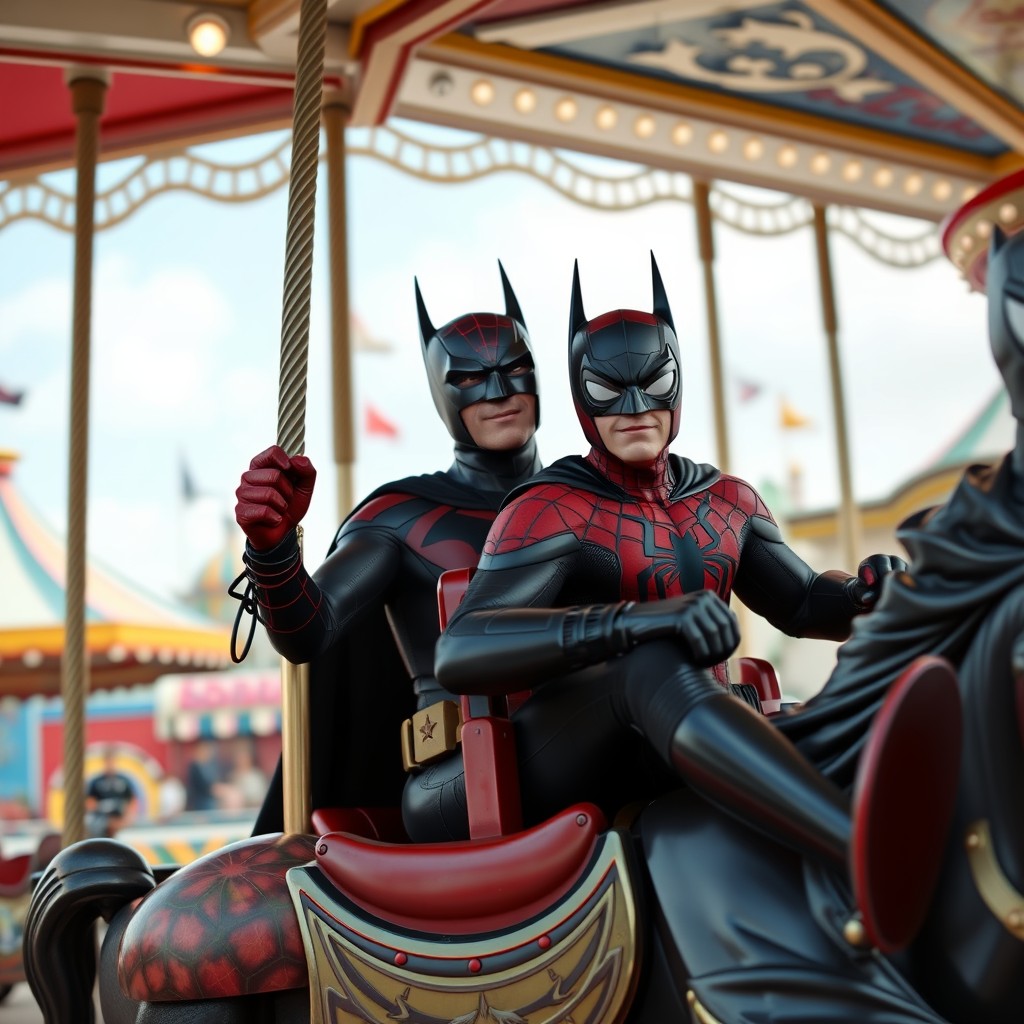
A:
(467, 887)
(15, 873)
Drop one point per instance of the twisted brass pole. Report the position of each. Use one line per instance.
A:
(291, 420)
(87, 96)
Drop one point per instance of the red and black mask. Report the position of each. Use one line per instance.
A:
(477, 357)
(623, 362)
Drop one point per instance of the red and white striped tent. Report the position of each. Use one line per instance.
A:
(131, 636)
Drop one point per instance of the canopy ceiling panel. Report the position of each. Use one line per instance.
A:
(908, 106)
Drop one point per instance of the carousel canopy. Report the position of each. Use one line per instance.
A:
(909, 107)
(131, 636)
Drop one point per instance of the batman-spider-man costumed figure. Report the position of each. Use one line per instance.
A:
(379, 580)
(603, 587)
(615, 553)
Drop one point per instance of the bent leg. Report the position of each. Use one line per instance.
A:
(575, 742)
(756, 934)
(582, 737)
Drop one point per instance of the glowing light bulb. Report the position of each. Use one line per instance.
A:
(207, 34)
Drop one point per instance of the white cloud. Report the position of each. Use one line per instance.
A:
(42, 308)
(156, 337)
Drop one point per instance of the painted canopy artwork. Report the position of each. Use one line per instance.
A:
(131, 636)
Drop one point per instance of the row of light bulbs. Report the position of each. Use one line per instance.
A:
(33, 657)
(1008, 214)
(720, 141)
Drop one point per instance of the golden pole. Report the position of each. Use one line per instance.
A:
(336, 110)
(88, 89)
(706, 251)
(849, 516)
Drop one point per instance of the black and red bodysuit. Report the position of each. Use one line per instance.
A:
(582, 542)
(366, 620)
(603, 588)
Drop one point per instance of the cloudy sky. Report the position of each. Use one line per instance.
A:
(187, 329)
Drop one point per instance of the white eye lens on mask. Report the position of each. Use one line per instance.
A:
(599, 393)
(662, 386)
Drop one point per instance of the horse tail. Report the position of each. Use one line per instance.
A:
(88, 880)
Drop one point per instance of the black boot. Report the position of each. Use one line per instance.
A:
(737, 759)
(888, 839)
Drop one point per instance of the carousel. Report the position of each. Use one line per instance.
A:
(911, 108)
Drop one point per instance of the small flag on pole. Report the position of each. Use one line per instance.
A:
(747, 390)
(189, 491)
(376, 424)
(9, 397)
(791, 418)
(363, 340)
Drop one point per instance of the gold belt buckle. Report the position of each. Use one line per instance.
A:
(431, 734)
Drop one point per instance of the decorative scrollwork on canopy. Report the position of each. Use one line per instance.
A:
(189, 171)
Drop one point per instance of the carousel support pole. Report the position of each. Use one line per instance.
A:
(291, 422)
(336, 110)
(849, 516)
(706, 251)
(88, 90)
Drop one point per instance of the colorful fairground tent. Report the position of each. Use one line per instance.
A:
(131, 636)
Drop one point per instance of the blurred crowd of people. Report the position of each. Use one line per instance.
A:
(220, 775)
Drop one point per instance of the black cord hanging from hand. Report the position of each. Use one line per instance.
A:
(247, 603)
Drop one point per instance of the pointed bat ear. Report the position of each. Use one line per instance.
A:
(997, 242)
(577, 318)
(426, 327)
(661, 308)
(512, 310)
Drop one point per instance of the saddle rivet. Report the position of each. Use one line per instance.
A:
(321, 849)
(581, 820)
(400, 959)
(475, 966)
(854, 932)
(1015, 918)
(973, 840)
(544, 941)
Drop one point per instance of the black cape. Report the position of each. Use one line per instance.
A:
(360, 692)
(965, 556)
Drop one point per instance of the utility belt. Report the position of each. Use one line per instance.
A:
(431, 734)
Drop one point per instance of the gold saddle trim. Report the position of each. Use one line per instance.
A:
(576, 962)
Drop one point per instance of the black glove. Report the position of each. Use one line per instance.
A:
(703, 625)
(870, 575)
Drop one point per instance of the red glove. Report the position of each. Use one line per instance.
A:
(273, 496)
